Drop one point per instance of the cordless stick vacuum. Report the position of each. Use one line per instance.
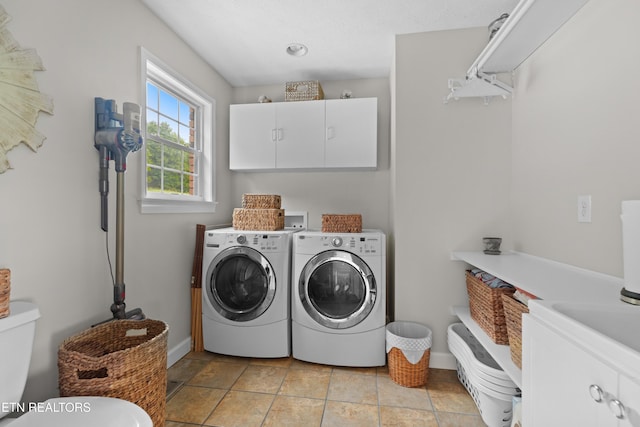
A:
(116, 135)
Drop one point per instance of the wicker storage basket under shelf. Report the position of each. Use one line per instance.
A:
(309, 90)
(513, 311)
(258, 219)
(485, 305)
(5, 291)
(125, 359)
(332, 223)
(261, 201)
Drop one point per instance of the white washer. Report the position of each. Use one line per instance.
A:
(246, 292)
(338, 298)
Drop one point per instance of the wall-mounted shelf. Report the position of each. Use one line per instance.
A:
(530, 24)
(546, 279)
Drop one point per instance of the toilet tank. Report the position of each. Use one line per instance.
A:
(17, 332)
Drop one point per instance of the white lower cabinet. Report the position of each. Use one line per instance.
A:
(565, 384)
(340, 133)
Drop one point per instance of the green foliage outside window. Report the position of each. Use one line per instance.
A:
(176, 166)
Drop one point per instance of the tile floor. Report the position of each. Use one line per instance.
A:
(216, 390)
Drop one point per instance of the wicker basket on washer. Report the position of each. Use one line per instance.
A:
(125, 359)
(261, 201)
(258, 219)
(5, 291)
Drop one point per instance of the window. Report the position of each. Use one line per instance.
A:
(178, 159)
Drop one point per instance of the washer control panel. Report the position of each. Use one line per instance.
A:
(260, 242)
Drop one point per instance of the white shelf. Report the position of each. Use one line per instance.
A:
(529, 25)
(501, 353)
(546, 279)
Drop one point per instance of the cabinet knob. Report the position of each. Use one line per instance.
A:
(596, 392)
(617, 408)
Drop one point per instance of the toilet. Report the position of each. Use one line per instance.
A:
(17, 332)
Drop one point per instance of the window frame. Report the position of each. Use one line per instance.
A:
(152, 68)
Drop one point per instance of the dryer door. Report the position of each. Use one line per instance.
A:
(240, 284)
(337, 289)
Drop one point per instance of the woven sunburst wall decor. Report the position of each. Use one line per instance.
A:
(20, 99)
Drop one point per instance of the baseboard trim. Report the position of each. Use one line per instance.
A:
(179, 351)
(437, 360)
(442, 361)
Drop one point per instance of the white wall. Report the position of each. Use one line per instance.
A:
(575, 132)
(50, 233)
(452, 164)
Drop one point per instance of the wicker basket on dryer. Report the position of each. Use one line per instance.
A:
(338, 223)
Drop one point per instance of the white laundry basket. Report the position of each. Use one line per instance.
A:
(408, 347)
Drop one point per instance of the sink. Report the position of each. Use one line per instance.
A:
(618, 322)
(607, 329)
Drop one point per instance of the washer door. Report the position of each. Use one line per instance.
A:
(337, 289)
(240, 284)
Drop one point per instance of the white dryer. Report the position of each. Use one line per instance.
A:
(246, 292)
(338, 298)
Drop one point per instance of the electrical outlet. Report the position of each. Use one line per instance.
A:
(584, 208)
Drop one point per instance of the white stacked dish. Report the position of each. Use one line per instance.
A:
(491, 388)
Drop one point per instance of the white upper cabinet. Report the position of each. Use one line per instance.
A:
(351, 133)
(340, 133)
(252, 130)
(300, 134)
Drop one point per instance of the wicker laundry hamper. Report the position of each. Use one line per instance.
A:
(125, 359)
(408, 346)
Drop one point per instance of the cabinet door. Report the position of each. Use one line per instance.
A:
(352, 133)
(300, 135)
(557, 381)
(629, 395)
(252, 134)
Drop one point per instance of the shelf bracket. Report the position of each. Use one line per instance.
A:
(478, 85)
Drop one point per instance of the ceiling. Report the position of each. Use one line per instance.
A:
(246, 40)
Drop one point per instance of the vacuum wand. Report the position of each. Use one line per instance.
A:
(115, 136)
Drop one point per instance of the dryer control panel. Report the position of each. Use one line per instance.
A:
(360, 244)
